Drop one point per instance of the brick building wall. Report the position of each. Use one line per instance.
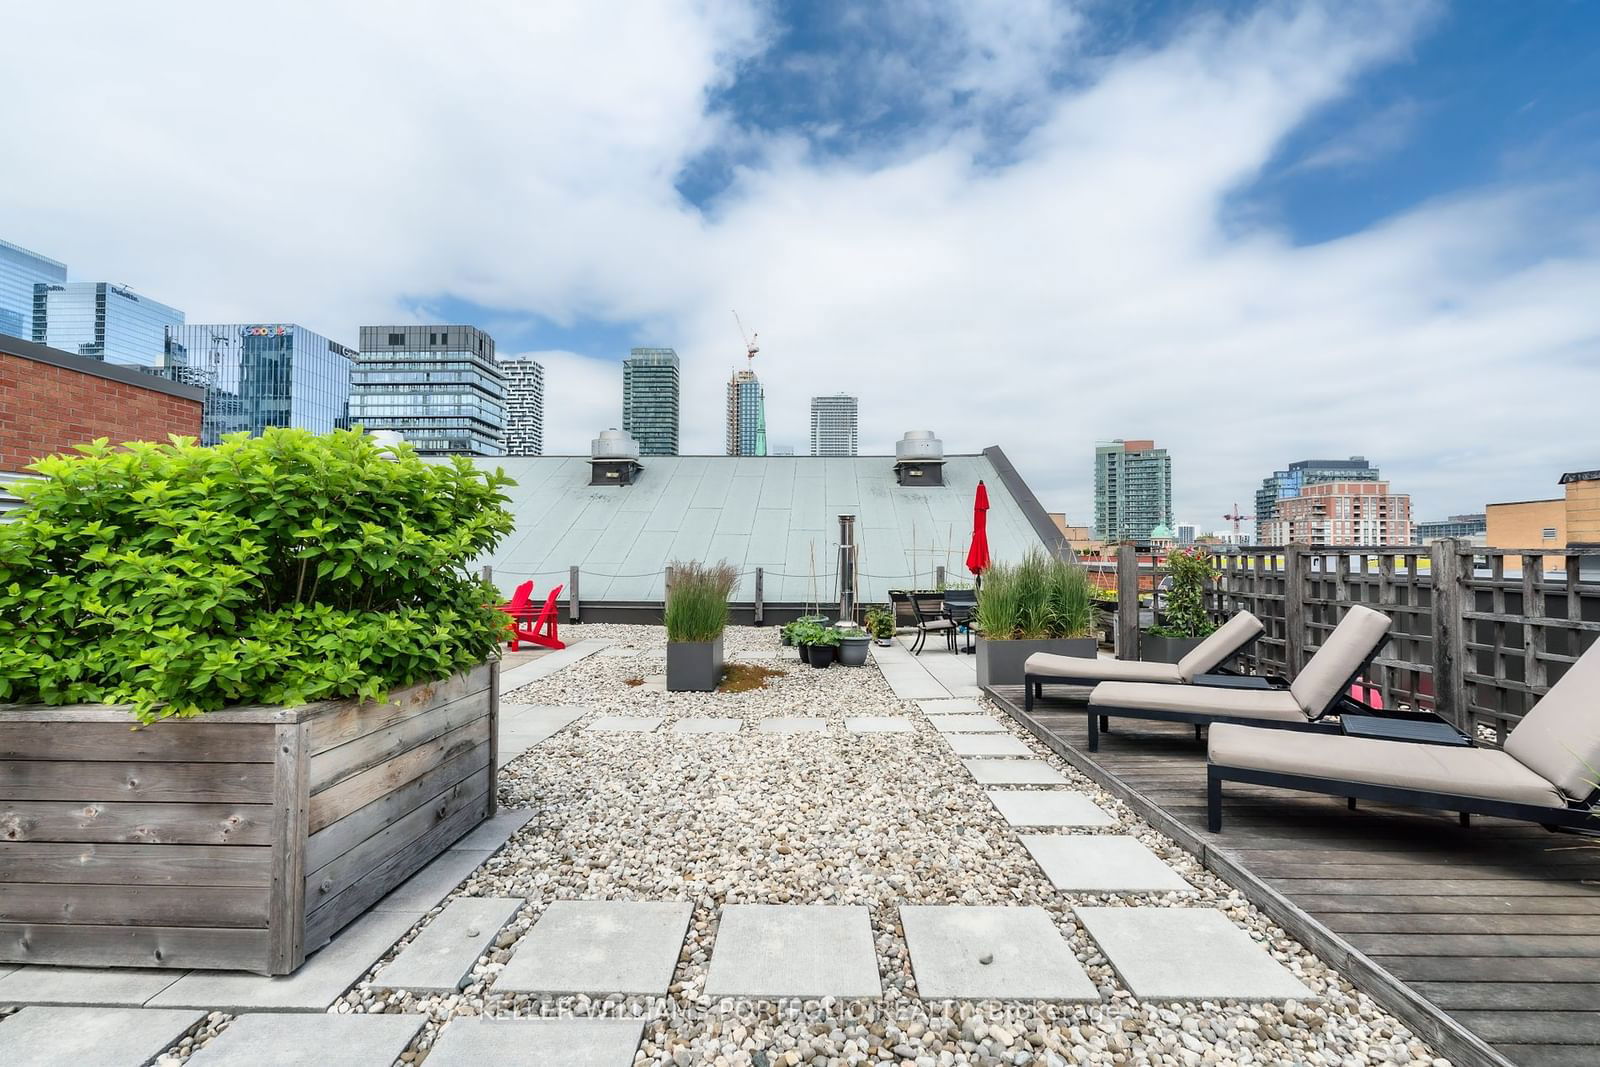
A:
(52, 400)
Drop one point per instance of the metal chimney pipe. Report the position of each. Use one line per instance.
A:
(847, 568)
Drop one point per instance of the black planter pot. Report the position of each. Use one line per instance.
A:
(820, 655)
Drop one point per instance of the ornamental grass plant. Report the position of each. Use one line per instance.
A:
(697, 607)
(1037, 598)
(280, 569)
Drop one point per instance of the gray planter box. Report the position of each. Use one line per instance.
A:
(241, 840)
(1000, 662)
(1153, 649)
(853, 651)
(694, 666)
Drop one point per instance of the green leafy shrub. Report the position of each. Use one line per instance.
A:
(1183, 606)
(880, 622)
(697, 607)
(807, 632)
(274, 570)
(1037, 598)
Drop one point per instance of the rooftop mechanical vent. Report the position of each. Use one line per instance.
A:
(614, 458)
(919, 459)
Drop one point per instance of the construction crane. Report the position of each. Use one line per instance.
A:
(750, 346)
(1236, 518)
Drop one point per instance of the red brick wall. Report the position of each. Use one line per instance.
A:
(46, 409)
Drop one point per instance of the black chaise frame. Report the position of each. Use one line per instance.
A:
(1033, 684)
(1574, 816)
(1099, 717)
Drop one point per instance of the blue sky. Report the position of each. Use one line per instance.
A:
(1254, 231)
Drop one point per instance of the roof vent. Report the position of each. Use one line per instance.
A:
(613, 458)
(919, 459)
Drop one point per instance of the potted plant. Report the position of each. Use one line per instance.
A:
(880, 623)
(1184, 620)
(1040, 604)
(292, 625)
(696, 615)
(853, 642)
(817, 643)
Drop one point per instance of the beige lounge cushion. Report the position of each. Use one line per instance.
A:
(1349, 646)
(1052, 665)
(1216, 650)
(1559, 738)
(1473, 772)
(1274, 704)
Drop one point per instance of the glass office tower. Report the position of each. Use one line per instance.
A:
(439, 386)
(103, 321)
(650, 399)
(834, 425)
(261, 374)
(20, 271)
(747, 415)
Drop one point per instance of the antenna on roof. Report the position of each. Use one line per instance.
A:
(750, 346)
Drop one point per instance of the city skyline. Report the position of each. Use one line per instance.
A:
(1406, 193)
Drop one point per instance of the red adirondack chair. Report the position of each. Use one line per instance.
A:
(542, 630)
(517, 606)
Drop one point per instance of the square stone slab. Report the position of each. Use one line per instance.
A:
(84, 985)
(1014, 772)
(91, 1037)
(1188, 954)
(494, 831)
(1028, 959)
(707, 726)
(321, 980)
(987, 745)
(477, 1042)
(599, 946)
(1103, 863)
(619, 653)
(1048, 807)
(967, 724)
(310, 1040)
(956, 706)
(792, 725)
(794, 950)
(439, 959)
(624, 724)
(879, 724)
(420, 893)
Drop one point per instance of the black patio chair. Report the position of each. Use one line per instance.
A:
(931, 618)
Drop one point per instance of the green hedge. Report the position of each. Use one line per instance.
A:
(273, 570)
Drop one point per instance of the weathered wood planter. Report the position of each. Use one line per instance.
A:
(1001, 662)
(242, 839)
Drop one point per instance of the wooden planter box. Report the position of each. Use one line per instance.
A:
(1001, 662)
(239, 840)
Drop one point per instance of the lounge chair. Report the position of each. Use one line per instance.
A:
(1212, 654)
(1546, 773)
(1320, 689)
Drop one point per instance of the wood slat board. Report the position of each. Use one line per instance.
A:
(1496, 925)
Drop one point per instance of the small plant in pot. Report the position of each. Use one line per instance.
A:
(1039, 604)
(696, 615)
(853, 642)
(880, 623)
(817, 642)
(1184, 621)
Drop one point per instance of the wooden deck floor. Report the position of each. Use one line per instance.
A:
(1496, 926)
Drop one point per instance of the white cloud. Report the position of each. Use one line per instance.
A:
(314, 163)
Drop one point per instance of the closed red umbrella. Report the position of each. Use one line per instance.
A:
(978, 554)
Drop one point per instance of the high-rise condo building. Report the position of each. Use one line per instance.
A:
(524, 406)
(1132, 490)
(747, 415)
(1343, 513)
(1281, 485)
(260, 374)
(20, 271)
(834, 425)
(438, 386)
(650, 402)
(103, 321)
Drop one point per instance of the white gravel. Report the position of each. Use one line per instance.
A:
(880, 820)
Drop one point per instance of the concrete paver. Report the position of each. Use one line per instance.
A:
(1188, 954)
(599, 946)
(1102, 863)
(310, 1040)
(987, 745)
(792, 725)
(707, 726)
(477, 1042)
(1004, 953)
(91, 1037)
(967, 724)
(1014, 772)
(440, 958)
(625, 724)
(1048, 807)
(130, 986)
(799, 950)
